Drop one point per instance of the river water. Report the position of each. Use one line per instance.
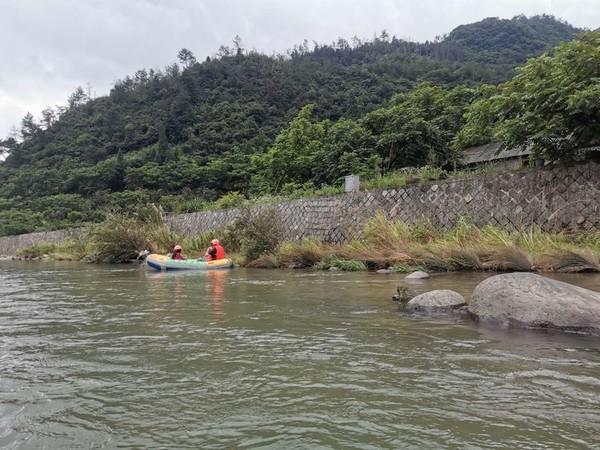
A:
(114, 356)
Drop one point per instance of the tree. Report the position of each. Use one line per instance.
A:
(349, 148)
(14, 133)
(48, 117)
(291, 158)
(419, 126)
(29, 127)
(186, 58)
(162, 153)
(237, 45)
(552, 106)
(77, 98)
(7, 146)
(224, 51)
(479, 119)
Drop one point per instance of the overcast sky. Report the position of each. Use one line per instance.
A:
(48, 47)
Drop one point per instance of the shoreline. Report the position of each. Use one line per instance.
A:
(257, 239)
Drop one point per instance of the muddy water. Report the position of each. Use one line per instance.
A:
(104, 357)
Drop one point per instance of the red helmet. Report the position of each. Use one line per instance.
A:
(215, 242)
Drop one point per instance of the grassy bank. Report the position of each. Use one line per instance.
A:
(256, 239)
(404, 247)
(467, 247)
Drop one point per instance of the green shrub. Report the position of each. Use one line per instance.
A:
(230, 200)
(349, 265)
(121, 237)
(256, 232)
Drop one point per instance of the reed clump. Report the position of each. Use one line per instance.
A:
(304, 253)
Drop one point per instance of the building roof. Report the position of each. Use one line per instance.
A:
(491, 152)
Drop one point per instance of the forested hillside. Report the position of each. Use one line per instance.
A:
(257, 124)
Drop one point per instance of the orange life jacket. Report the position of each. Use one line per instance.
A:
(220, 252)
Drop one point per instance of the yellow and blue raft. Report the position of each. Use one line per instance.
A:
(161, 262)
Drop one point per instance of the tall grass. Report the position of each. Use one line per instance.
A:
(257, 237)
(404, 247)
(403, 177)
(305, 253)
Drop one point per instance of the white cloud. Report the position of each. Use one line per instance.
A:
(50, 47)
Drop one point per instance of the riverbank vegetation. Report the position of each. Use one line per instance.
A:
(402, 247)
(245, 125)
(256, 240)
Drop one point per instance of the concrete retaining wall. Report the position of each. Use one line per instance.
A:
(10, 244)
(561, 198)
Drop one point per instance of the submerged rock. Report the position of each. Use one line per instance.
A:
(442, 300)
(403, 295)
(385, 271)
(530, 300)
(418, 275)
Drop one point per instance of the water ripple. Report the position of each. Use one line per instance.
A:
(98, 356)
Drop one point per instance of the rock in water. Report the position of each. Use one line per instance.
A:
(442, 300)
(418, 275)
(386, 271)
(403, 295)
(530, 300)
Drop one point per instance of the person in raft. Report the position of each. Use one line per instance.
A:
(177, 253)
(215, 251)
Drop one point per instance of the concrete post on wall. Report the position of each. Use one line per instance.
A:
(352, 183)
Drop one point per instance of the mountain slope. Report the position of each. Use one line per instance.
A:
(194, 129)
(510, 41)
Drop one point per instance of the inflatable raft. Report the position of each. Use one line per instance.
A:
(161, 262)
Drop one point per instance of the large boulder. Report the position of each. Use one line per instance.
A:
(526, 299)
(442, 300)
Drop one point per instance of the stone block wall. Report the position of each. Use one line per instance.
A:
(555, 199)
(10, 244)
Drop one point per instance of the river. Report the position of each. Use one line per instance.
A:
(114, 356)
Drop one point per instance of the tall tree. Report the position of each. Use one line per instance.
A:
(77, 98)
(29, 127)
(552, 106)
(237, 45)
(162, 153)
(186, 57)
(48, 117)
(6, 146)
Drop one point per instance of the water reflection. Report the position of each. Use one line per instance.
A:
(215, 283)
(195, 285)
